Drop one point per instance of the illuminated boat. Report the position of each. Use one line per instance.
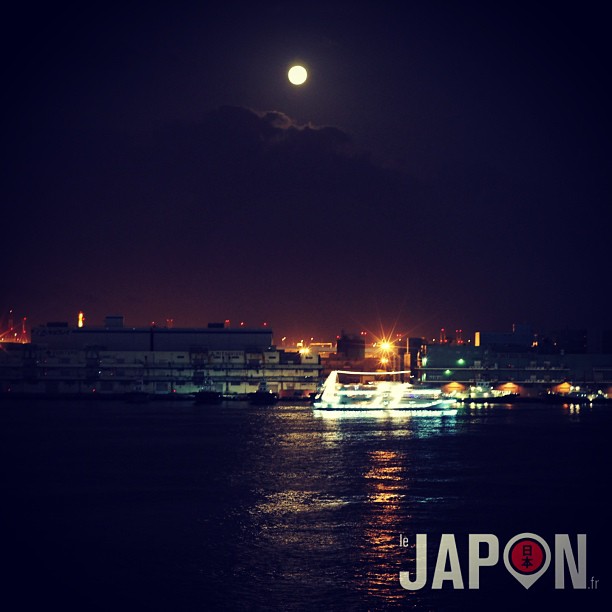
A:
(373, 394)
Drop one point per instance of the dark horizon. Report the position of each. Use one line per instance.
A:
(443, 166)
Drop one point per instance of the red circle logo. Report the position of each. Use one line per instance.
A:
(527, 556)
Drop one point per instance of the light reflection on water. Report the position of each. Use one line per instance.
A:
(332, 497)
(386, 481)
(243, 507)
(335, 494)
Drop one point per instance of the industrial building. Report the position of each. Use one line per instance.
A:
(114, 360)
(519, 361)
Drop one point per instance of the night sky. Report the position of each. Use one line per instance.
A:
(445, 165)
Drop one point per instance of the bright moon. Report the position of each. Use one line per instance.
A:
(297, 75)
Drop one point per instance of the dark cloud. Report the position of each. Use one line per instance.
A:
(239, 159)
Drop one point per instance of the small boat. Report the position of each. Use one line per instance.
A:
(263, 396)
(138, 395)
(208, 394)
(370, 394)
(208, 397)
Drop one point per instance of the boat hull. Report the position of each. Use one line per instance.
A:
(442, 408)
(208, 397)
(263, 398)
(400, 412)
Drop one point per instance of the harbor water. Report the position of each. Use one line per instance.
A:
(174, 506)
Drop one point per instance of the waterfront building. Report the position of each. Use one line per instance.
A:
(351, 346)
(511, 362)
(527, 372)
(114, 360)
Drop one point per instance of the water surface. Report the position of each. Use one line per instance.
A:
(169, 505)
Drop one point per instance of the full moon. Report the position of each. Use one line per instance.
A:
(297, 75)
